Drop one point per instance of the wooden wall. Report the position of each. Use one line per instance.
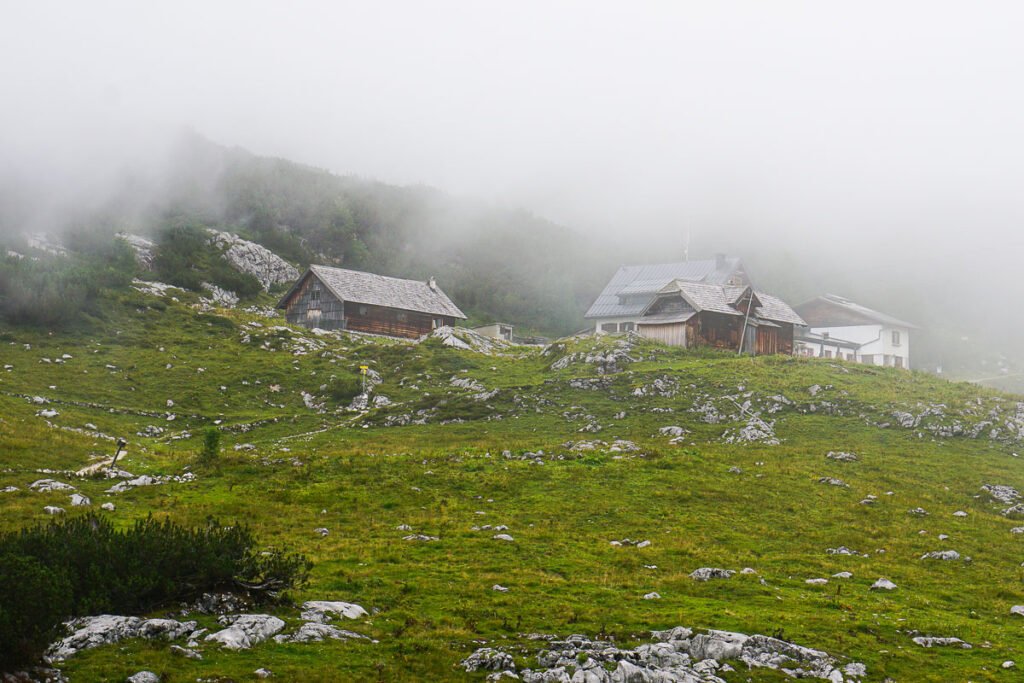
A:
(310, 297)
(392, 322)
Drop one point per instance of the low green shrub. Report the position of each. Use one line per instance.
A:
(211, 446)
(345, 388)
(81, 565)
(34, 599)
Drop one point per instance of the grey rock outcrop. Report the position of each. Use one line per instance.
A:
(245, 630)
(311, 632)
(254, 259)
(323, 611)
(90, 632)
(675, 656)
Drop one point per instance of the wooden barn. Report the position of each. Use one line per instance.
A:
(736, 318)
(339, 299)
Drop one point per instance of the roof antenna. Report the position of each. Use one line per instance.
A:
(686, 246)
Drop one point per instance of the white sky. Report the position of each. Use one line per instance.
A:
(864, 124)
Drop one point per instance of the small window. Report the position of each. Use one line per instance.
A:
(314, 294)
(849, 356)
(895, 337)
(867, 359)
(827, 353)
(362, 310)
(608, 327)
(626, 327)
(402, 316)
(897, 361)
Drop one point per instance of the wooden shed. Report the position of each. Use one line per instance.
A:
(339, 299)
(692, 314)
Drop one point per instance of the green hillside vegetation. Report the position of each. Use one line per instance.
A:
(446, 454)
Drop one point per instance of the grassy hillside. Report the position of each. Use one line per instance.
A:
(539, 456)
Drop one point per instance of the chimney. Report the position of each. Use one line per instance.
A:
(432, 283)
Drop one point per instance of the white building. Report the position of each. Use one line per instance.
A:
(840, 328)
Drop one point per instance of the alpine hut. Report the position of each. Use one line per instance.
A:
(339, 299)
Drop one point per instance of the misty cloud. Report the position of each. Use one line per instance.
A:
(875, 145)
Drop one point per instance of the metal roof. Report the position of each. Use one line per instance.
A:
(842, 312)
(634, 281)
(381, 290)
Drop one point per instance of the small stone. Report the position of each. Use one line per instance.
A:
(816, 582)
(263, 672)
(322, 531)
(78, 500)
(1017, 609)
(1008, 664)
(53, 510)
(959, 513)
(643, 544)
(498, 587)
(143, 677)
(185, 652)
(842, 575)
(883, 584)
(941, 555)
(107, 506)
(652, 596)
(706, 573)
(503, 537)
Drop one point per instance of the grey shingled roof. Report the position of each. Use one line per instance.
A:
(381, 290)
(774, 308)
(650, 278)
(705, 297)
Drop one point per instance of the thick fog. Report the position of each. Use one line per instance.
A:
(875, 141)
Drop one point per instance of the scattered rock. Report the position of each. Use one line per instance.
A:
(1003, 494)
(78, 500)
(245, 630)
(321, 531)
(53, 510)
(498, 587)
(420, 537)
(959, 513)
(816, 582)
(1017, 609)
(706, 573)
(941, 555)
(503, 537)
(652, 596)
(313, 632)
(675, 655)
(143, 677)
(883, 584)
(108, 507)
(831, 481)
(185, 652)
(841, 456)
(928, 641)
(323, 611)
(46, 485)
(263, 672)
